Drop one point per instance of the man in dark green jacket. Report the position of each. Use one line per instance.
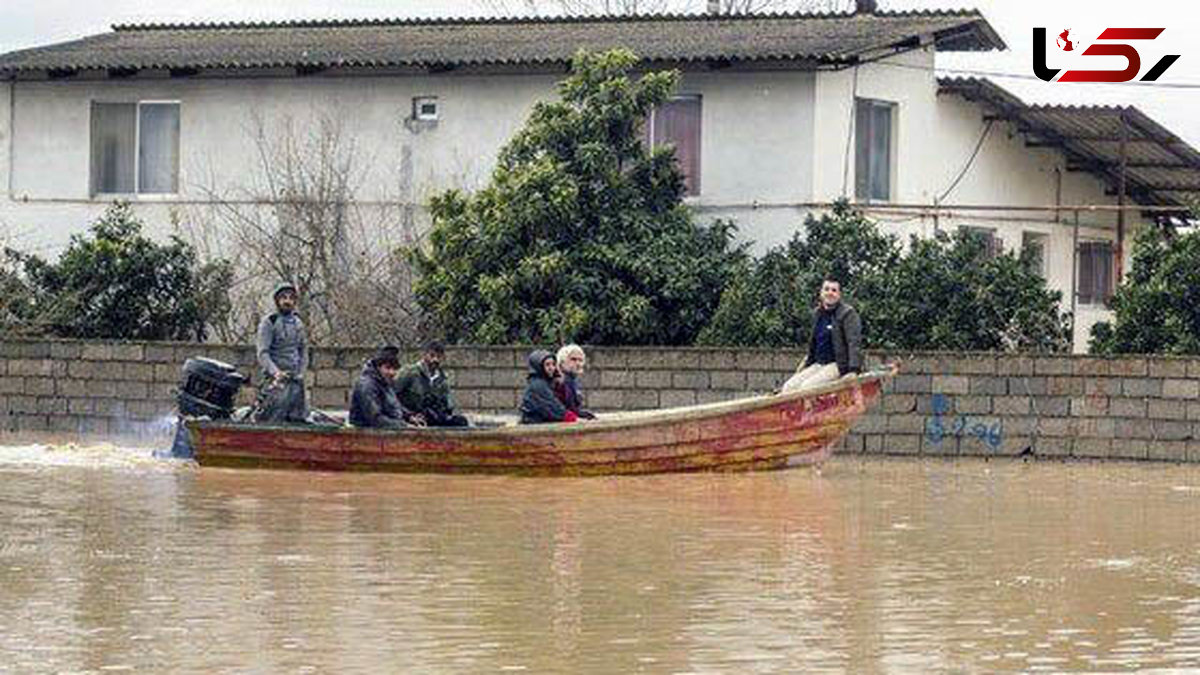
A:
(422, 388)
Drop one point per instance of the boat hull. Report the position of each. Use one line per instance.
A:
(765, 432)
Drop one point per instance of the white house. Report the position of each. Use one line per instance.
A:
(777, 115)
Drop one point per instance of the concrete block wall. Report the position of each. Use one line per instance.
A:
(942, 404)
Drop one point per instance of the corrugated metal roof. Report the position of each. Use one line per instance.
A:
(821, 38)
(1160, 168)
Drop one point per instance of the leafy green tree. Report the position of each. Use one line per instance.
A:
(119, 284)
(945, 293)
(1157, 306)
(581, 233)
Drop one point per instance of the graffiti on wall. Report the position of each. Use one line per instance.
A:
(937, 428)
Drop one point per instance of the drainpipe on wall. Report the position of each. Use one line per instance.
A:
(1074, 274)
(12, 115)
(1120, 257)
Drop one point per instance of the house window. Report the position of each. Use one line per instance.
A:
(135, 148)
(986, 236)
(1094, 286)
(425, 108)
(1033, 252)
(873, 149)
(677, 123)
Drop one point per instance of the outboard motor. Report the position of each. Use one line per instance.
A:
(208, 389)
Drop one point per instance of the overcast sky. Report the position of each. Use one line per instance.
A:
(1175, 104)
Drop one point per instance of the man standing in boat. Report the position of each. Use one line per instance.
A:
(282, 349)
(422, 388)
(373, 404)
(835, 346)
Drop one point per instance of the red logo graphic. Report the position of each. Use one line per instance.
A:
(1064, 42)
(1133, 60)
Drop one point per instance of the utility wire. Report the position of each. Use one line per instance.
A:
(1026, 76)
(970, 160)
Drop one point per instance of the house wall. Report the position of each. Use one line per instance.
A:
(772, 143)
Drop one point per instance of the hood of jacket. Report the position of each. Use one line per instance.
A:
(536, 358)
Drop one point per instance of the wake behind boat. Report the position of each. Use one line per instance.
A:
(756, 433)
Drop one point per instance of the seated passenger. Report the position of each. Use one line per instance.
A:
(570, 363)
(423, 389)
(539, 405)
(373, 404)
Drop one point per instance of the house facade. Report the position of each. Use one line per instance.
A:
(776, 117)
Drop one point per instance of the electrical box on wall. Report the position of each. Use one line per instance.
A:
(425, 108)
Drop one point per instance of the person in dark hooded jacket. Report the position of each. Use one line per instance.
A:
(373, 403)
(539, 405)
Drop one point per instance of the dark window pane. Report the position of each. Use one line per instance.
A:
(872, 150)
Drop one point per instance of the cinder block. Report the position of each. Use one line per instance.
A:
(143, 372)
(943, 446)
(136, 391)
(718, 359)
(607, 357)
(108, 407)
(651, 379)
(600, 399)
(81, 406)
(873, 445)
(765, 381)
(509, 378)
(679, 359)
(1014, 366)
(728, 379)
(162, 391)
(1056, 406)
(1054, 447)
(974, 364)
(1130, 448)
(31, 367)
(852, 444)
(24, 422)
(905, 403)
(902, 444)
(1065, 386)
(69, 423)
(1089, 366)
(1168, 451)
(905, 424)
(640, 399)
(689, 380)
(973, 405)
(1172, 430)
(1141, 386)
(1095, 427)
(673, 398)
(951, 384)
(1193, 368)
(1089, 406)
(1134, 429)
(166, 372)
(127, 351)
(470, 377)
(1166, 409)
(51, 405)
(1027, 386)
(499, 399)
(1053, 365)
(97, 351)
(12, 385)
(1128, 366)
(1056, 426)
(1167, 367)
(989, 386)
(329, 397)
(873, 422)
(755, 360)
(1188, 389)
(1011, 405)
(63, 350)
(1098, 448)
(1120, 406)
(159, 354)
(715, 395)
(97, 388)
(39, 386)
(912, 384)
(1108, 386)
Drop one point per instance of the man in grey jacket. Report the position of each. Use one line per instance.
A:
(835, 346)
(283, 357)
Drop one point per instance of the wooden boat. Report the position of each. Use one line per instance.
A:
(762, 432)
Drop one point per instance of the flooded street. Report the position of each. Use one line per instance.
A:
(113, 561)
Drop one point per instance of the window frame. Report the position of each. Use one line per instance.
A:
(1043, 241)
(651, 143)
(137, 147)
(1088, 298)
(994, 245)
(893, 108)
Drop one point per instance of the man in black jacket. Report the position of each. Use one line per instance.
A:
(373, 404)
(835, 346)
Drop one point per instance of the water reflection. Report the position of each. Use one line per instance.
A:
(871, 566)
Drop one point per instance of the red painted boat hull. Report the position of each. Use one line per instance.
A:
(764, 432)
